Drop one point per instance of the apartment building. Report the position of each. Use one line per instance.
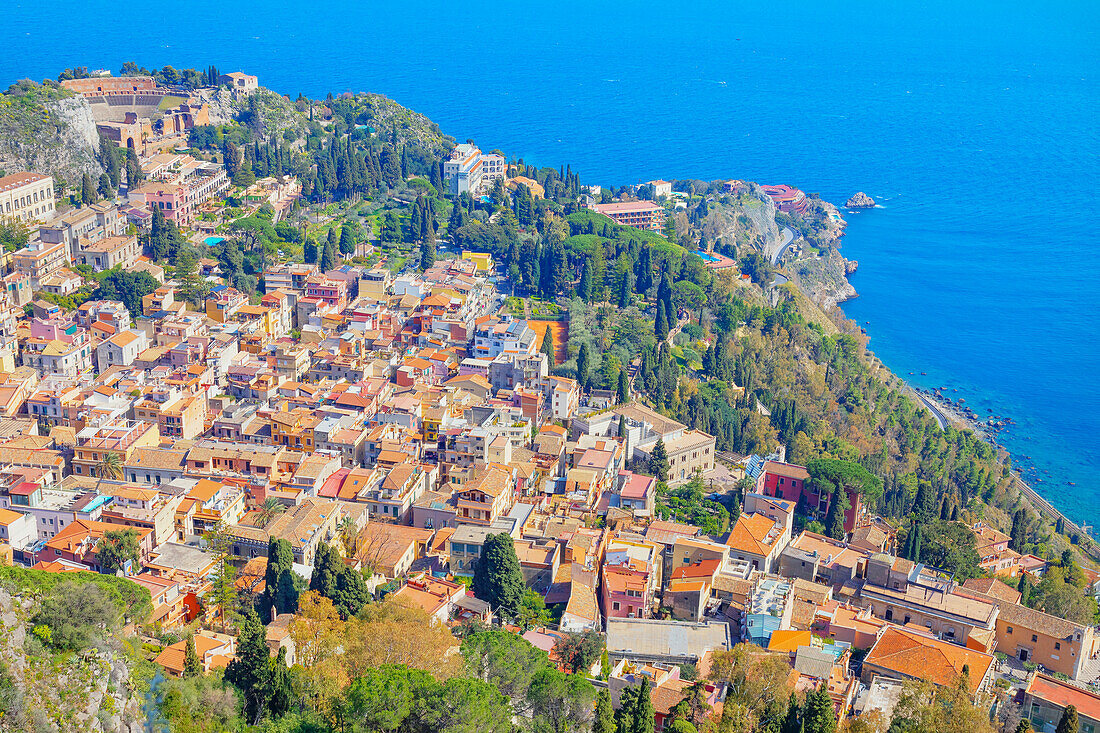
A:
(91, 223)
(122, 437)
(27, 196)
(41, 259)
(108, 252)
(638, 214)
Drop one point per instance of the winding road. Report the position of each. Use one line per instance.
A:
(936, 413)
(788, 237)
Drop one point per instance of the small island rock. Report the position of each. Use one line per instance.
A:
(860, 201)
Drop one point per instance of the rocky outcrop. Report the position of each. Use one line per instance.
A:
(860, 201)
(57, 137)
(824, 278)
(745, 220)
(850, 266)
(87, 691)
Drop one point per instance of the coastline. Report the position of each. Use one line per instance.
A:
(954, 412)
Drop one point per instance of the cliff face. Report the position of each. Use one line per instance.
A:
(88, 691)
(56, 136)
(745, 220)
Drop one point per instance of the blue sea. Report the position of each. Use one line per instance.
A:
(975, 125)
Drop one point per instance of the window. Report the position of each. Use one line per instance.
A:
(1057, 645)
(1009, 630)
(615, 605)
(1034, 638)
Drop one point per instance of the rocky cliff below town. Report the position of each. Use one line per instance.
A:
(743, 221)
(48, 130)
(47, 691)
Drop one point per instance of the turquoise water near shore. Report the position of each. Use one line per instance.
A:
(973, 124)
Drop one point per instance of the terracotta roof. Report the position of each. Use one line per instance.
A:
(994, 588)
(922, 657)
(1063, 694)
(750, 533)
(788, 470)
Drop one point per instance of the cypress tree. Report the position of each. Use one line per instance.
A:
(192, 665)
(625, 290)
(623, 390)
(347, 241)
(87, 190)
(280, 595)
(325, 570)
(328, 256)
(427, 254)
(1068, 723)
(603, 720)
(622, 426)
(309, 251)
(498, 578)
(584, 288)
(818, 715)
(792, 723)
(279, 693)
(660, 323)
(250, 671)
(658, 460)
(582, 364)
(644, 713)
(548, 347)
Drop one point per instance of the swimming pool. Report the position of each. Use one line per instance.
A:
(213, 241)
(707, 256)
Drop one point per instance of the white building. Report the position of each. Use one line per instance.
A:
(469, 170)
(26, 196)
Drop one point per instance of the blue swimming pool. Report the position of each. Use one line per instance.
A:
(707, 256)
(213, 241)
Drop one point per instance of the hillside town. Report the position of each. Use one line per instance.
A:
(408, 422)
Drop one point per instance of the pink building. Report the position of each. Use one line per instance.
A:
(332, 292)
(786, 198)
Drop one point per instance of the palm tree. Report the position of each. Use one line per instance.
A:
(109, 467)
(270, 509)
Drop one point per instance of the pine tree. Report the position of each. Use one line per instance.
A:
(582, 364)
(603, 720)
(192, 665)
(498, 578)
(1068, 723)
(548, 347)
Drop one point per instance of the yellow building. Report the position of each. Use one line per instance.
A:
(483, 260)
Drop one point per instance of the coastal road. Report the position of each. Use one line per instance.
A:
(936, 413)
(788, 237)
